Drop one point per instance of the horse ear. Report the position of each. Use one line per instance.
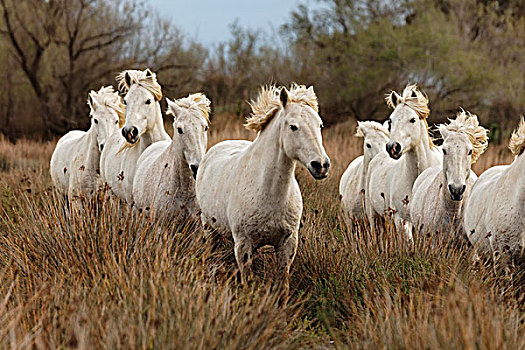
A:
(148, 73)
(127, 80)
(395, 98)
(173, 108)
(360, 130)
(90, 101)
(443, 131)
(283, 96)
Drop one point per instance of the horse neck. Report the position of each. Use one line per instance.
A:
(364, 171)
(419, 157)
(179, 168)
(516, 173)
(93, 151)
(266, 153)
(157, 132)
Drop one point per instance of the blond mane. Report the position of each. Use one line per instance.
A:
(145, 78)
(108, 97)
(268, 103)
(197, 102)
(517, 140)
(302, 94)
(371, 125)
(468, 124)
(419, 102)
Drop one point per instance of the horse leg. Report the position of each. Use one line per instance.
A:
(285, 252)
(243, 255)
(405, 227)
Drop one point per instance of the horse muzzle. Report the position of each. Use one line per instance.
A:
(130, 133)
(319, 171)
(394, 149)
(456, 191)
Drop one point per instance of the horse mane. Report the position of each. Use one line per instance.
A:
(268, 103)
(145, 78)
(108, 97)
(303, 95)
(468, 124)
(517, 140)
(371, 125)
(419, 102)
(197, 102)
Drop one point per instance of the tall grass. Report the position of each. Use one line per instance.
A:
(103, 277)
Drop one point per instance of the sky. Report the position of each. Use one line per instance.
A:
(208, 20)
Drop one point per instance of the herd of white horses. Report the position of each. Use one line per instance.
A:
(248, 189)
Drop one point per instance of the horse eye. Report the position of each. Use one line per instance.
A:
(179, 130)
(413, 120)
(444, 152)
(469, 152)
(293, 127)
(368, 145)
(96, 121)
(116, 121)
(206, 128)
(148, 102)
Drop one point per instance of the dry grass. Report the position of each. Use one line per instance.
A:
(108, 279)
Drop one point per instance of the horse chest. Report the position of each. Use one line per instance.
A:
(264, 217)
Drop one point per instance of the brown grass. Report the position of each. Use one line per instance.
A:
(108, 279)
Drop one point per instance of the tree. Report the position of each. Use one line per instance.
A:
(67, 47)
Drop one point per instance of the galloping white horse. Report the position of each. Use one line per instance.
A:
(494, 211)
(143, 127)
(249, 188)
(440, 191)
(410, 152)
(352, 186)
(75, 163)
(164, 180)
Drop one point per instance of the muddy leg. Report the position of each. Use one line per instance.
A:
(243, 254)
(285, 255)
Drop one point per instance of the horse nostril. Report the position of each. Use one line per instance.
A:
(316, 165)
(101, 147)
(326, 165)
(194, 169)
(463, 188)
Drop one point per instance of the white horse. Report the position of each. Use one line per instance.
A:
(249, 188)
(352, 186)
(164, 180)
(440, 191)
(410, 152)
(144, 126)
(494, 211)
(75, 163)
